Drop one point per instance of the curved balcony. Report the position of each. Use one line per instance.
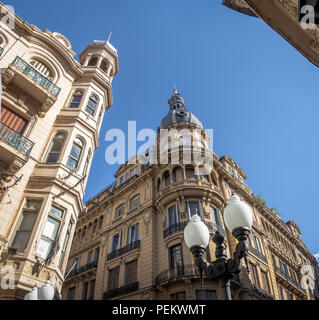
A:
(178, 273)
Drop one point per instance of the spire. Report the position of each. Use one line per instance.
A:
(176, 101)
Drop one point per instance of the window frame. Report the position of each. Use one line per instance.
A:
(77, 161)
(92, 110)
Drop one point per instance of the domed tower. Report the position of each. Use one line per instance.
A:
(183, 191)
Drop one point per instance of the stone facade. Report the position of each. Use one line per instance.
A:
(52, 111)
(129, 242)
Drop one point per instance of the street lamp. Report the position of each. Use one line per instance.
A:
(239, 220)
(46, 292)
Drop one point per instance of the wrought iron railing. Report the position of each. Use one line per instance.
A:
(179, 272)
(1, 51)
(262, 293)
(130, 247)
(129, 288)
(257, 254)
(15, 140)
(175, 228)
(37, 77)
(290, 279)
(86, 267)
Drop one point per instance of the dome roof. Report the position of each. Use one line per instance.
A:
(178, 113)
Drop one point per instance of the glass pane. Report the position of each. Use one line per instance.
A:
(76, 151)
(172, 216)
(51, 228)
(89, 111)
(193, 208)
(77, 98)
(56, 211)
(73, 105)
(28, 221)
(44, 248)
(92, 104)
(21, 240)
(71, 164)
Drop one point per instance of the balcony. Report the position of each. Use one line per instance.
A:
(178, 273)
(285, 275)
(129, 288)
(24, 76)
(89, 266)
(175, 228)
(257, 253)
(130, 247)
(14, 148)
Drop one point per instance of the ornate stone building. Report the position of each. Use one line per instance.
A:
(282, 16)
(129, 242)
(51, 113)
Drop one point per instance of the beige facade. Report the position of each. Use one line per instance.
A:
(51, 115)
(129, 243)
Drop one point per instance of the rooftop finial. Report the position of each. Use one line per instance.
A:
(108, 40)
(175, 90)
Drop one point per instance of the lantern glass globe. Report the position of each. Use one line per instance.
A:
(238, 214)
(46, 292)
(33, 295)
(196, 233)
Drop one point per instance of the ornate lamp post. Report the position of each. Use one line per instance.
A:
(239, 220)
(46, 292)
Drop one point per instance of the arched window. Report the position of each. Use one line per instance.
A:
(100, 223)
(190, 173)
(92, 104)
(42, 69)
(94, 226)
(76, 99)
(92, 62)
(83, 233)
(159, 185)
(56, 148)
(167, 178)
(75, 155)
(104, 65)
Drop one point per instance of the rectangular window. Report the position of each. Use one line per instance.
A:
(96, 255)
(178, 296)
(265, 281)
(50, 232)
(172, 217)
(194, 207)
(117, 242)
(90, 256)
(131, 272)
(281, 292)
(12, 120)
(289, 295)
(135, 202)
(71, 294)
(65, 245)
(132, 234)
(77, 262)
(85, 288)
(176, 257)
(121, 180)
(214, 213)
(254, 275)
(257, 243)
(91, 106)
(119, 211)
(206, 295)
(26, 223)
(113, 279)
(133, 172)
(92, 288)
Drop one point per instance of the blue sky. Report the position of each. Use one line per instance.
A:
(236, 74)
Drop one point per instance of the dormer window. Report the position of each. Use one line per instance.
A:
(92, 104)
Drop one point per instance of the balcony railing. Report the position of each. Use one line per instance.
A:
(87, 267)
(257, 254)
(37, 77)
(15, 140)
(175, 228)
(180, 272)
(290, 279)
(130, 247)
(129, 288)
